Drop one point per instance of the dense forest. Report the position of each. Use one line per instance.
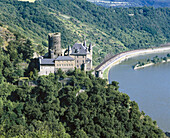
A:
(110, 30)
(75, 103)
(53, 109)
(72, 104)
(15, 53)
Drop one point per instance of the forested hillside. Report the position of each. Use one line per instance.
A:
(73, 104)
(110, 30)
(15, 54)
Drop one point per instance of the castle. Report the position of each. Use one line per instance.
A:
(79, 56)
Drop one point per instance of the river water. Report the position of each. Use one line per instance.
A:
(149, 87)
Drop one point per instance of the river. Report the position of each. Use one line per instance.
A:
(149, 87)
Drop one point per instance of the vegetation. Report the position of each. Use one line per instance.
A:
(72, 104)
(110, 30)
(54, 109)
(15, 54)
(155, 60)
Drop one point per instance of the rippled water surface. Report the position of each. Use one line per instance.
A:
(149, 87)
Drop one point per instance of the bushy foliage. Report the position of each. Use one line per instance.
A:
(57, 109)
(14, 57)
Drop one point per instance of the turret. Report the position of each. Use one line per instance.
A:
(91, 54)
(69, 50)
(84, 44)
(90, 47)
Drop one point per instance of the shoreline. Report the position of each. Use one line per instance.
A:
(150, 64)
(104, 67)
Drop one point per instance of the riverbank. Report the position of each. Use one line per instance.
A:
(148, 87)
(149, 64)
(117, 59)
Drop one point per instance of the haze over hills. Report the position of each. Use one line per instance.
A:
(132, 3)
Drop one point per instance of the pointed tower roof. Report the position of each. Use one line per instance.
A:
(90, 47)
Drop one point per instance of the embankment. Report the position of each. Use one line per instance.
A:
(105, 66)
(149, 64)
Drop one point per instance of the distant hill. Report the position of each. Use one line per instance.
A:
(132, 3)
(111, 30)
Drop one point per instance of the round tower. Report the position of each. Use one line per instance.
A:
(54, 40)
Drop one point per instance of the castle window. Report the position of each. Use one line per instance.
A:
(77, 66)
(83, 61)
(77, 61)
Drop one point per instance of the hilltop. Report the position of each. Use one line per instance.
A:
(110, 30)
(71, 104)
(132, 3)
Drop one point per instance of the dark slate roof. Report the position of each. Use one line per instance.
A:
(78, 49)
(64, 58)
(47, 61)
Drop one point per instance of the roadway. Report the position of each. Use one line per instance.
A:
(116, 59)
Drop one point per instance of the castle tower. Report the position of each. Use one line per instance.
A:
(54, 42)
(91, 54)
(90, 48)
(84, 44)
(69, 50)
